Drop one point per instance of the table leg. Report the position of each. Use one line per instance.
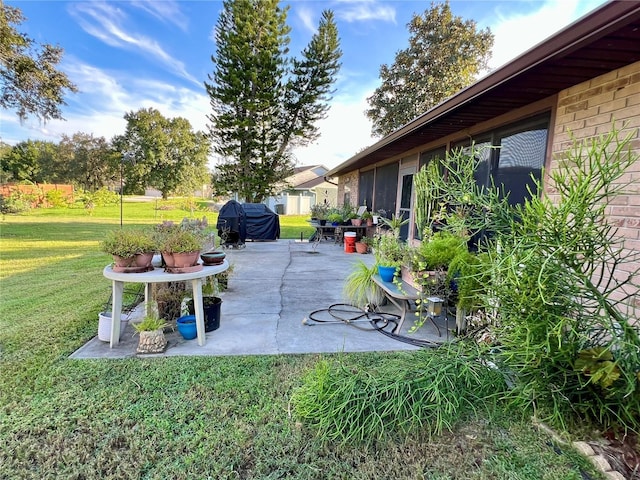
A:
(199, 310)
(116, 312)
(147, 298)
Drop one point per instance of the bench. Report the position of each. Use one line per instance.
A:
(401, 295)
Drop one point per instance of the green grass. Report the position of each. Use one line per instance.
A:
(187, 418)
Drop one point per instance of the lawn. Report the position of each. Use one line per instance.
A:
(190, 418)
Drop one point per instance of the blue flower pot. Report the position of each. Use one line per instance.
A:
(387, 273)
(187, 327)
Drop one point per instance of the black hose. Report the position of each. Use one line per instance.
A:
(379, 321)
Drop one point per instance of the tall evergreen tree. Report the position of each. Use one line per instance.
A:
(445, 54)
(265, 102)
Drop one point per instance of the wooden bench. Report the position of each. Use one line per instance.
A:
(401, 295)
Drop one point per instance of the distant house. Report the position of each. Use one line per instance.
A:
(306, 187)
(578, 81)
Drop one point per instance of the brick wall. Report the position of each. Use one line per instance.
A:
(590, 109)
(348, 187)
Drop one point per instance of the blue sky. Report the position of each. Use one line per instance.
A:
(130, 55)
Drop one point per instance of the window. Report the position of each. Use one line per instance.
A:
(520, 157)
(517, 155)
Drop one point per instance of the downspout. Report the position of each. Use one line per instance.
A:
(329, 181)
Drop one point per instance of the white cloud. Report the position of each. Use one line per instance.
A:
(345, 132)
(518, 33)
(306, 17)
(165, 11)
(105, 97)
(106, 24)
(365, 11)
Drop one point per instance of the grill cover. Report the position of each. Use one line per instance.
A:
(262, 222)
(232, 223)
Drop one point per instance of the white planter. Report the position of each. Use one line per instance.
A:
(104, 326)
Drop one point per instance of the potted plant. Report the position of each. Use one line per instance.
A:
(132, 249)
(334, 218)
(390, 254)
(151, 332)
(363, 245)
(180, 247)
(428, 263)
(211, 302)
(319, 212)
(367, 217)
(359, 288)
(437, 252)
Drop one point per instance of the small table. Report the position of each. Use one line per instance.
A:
(158, 275)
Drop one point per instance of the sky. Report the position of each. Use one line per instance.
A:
(128, 55)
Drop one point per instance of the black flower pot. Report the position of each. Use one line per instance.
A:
(211, 306)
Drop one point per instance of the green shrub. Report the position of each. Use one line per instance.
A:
(558, 279)
(439, 250)
(104, 197)
(14, 203)
(427, 391)
(56, 198)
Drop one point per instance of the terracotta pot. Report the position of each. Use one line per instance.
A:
(186, 259)
(362, 247)
(123, 261)
(369, 222)
(143, 259)
(356, 222)
(167, 257)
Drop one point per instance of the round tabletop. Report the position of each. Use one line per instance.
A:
(158, 275)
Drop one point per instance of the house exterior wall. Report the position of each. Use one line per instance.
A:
(348, 188)
(589, 109)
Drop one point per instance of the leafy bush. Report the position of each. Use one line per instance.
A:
(427, 391)
(56, 198)
(438, 251)
(14, 203)
(104, 197)
(558, 279)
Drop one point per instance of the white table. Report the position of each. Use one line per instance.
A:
(158, 275)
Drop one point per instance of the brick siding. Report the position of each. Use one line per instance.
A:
(348, 184)
(589, 109)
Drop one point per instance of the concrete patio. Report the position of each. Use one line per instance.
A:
(274, 288)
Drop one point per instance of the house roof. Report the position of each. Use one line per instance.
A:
(312, 184)
(601, 41)
(306, 177)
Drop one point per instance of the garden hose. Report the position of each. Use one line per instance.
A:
(350, 314)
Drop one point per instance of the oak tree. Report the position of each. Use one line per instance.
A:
(162, 153)
(445, 54)
(30, 81)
